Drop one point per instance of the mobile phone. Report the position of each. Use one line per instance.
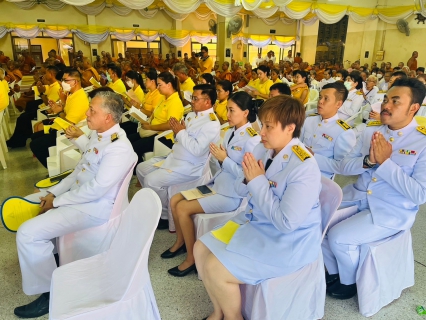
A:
(204, 189)
(104, 77)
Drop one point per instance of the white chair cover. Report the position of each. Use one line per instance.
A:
(300, 295)
(207, 222)
(86, 243)
(114, 284)
(386, 268)
(172, 190)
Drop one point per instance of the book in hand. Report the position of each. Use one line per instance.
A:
(248, 88)
(95, 83)
(137, 114)
(198, 193)
(62, 123)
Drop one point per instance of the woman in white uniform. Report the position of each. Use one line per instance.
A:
(355, 100)
(280, 230)
(239, 139)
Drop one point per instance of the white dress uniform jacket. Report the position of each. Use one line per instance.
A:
(397, 187)
(330, 140)
(191, 149)
(244, 140)
(351, 106)
(281, 225)
(94, 184)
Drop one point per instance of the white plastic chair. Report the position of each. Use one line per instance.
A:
(300, 295)
(313, 99)
(172, 190)
(86, 243)
(114, 284)
(160, 149)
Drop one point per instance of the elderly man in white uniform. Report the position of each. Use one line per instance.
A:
(190, 151)
(391, 161)
(82, 200)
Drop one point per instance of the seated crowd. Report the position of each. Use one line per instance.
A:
(270, 151)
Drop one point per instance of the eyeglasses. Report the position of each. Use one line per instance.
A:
(195, 99)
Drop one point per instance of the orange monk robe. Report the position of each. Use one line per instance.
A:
(235, 76)
(28, 65)
(4, 59)
(243, 82)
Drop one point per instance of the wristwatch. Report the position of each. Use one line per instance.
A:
(367, 163)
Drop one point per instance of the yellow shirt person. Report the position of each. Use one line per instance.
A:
(75, 108)
(220, 109)
(188, 85)
(152, 100)
(171, 107)
(118, 86)
(4, 97)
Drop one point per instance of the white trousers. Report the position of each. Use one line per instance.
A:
(340, 247)
(35, 248)
(159, 180)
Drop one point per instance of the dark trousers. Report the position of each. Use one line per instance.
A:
(23, 129)
(41, 143)
(129, 127)
(141, 145)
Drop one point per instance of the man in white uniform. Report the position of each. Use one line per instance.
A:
(390, 160)
(190, 151)
(82, 200)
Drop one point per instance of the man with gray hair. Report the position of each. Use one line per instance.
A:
(82, 200)
(186, 84)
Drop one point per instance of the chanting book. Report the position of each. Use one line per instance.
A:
(193, 194)
(137, 114)
(95, 83)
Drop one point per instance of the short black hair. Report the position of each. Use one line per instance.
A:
(115, 68)
(226, 85)
(341, 91)
(205, 49)
(207, 89)
(282, 88)
(73, 73)
(418, 89)
(420, 69)
(400, 75)
(356, 77)
(53, 69)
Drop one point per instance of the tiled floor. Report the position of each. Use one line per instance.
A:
(179, 298)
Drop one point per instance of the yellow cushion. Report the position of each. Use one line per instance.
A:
(16, 210)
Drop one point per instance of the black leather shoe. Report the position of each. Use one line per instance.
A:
(35, 309)
(342, 291)
(163, 224)
(331, 279)
(168, 254)
(181, 273)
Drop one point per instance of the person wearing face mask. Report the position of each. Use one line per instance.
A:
(354, 102)
(238, 140)
(135, 83)
(71, 107)
(171, 106)
(114, 78)
(49, 91)
(262, 88)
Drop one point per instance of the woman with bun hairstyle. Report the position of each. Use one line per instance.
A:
(239, 139)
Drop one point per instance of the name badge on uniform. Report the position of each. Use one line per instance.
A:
(407, 152)
(327, 137)
(236, 148)
(272, 184)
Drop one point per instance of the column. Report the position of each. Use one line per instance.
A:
(223, 42)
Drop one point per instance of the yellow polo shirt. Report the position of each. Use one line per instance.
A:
(171, 107)
(263, 88)
(118, 86)
(75, 109)
(278, 81)
(4, 97)
(208, 64)
(152, 100)
(139, 93)
(52, 91)
(188, 85)
(253, 83)
(220, 109)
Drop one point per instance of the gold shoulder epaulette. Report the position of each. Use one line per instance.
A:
(251, 132)
(300, 153)
(381, 91)
(374, 123)
(421, 129)
(359, 93)
(343, 124)
(114, 137)
(212, 117)
(313, 115)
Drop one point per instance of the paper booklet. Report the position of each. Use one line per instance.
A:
(132, 96)
(62, 123)
(248, 88)
(193, 194)
(137, 114)
(95, 83)
(187, 95)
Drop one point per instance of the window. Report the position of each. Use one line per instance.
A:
(135, 46)
(279, 53)
(196, 46)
